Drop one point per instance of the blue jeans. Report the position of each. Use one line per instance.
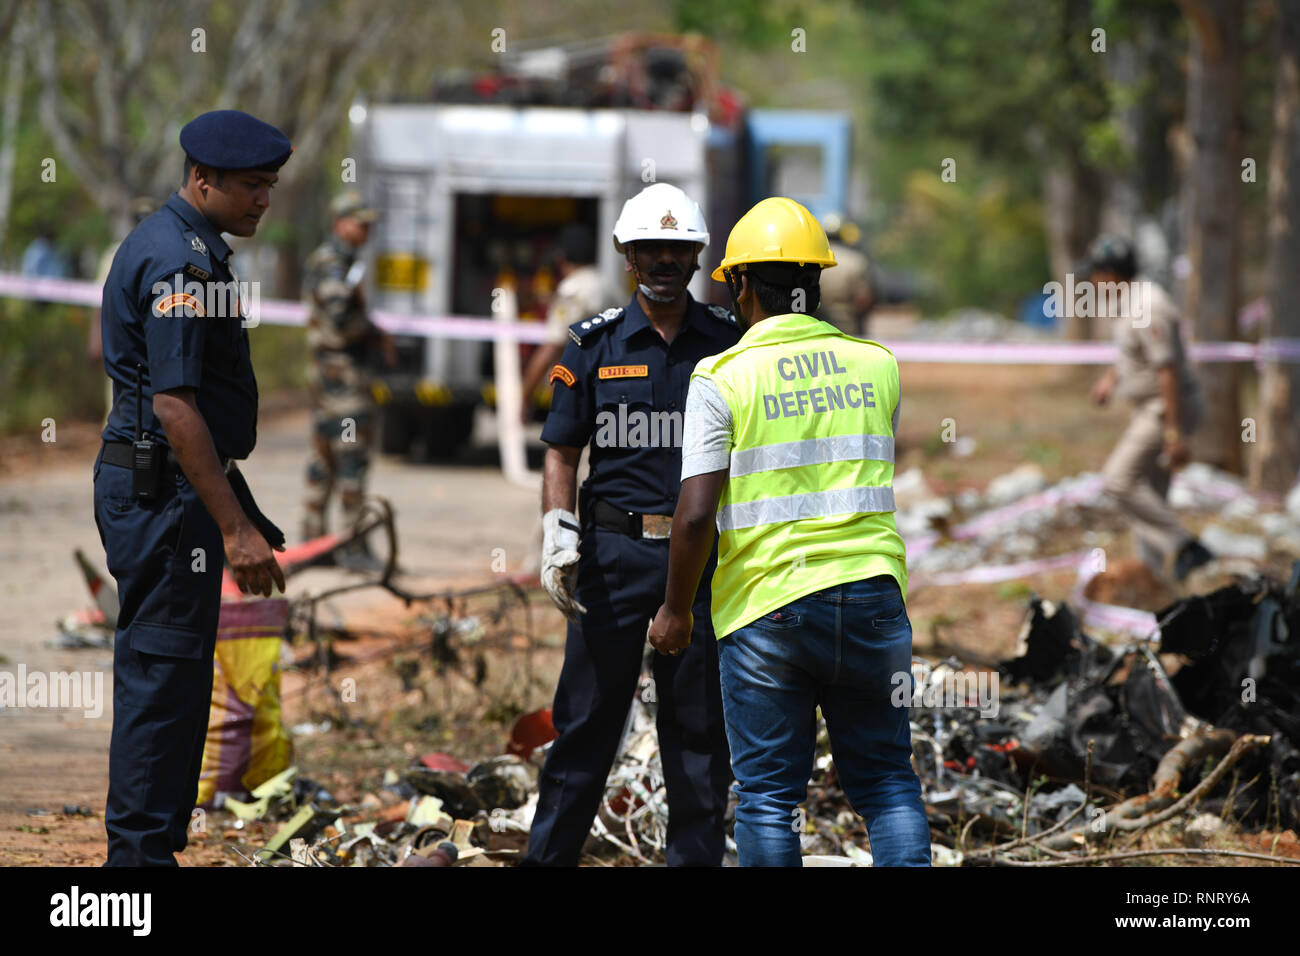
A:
(838, 649)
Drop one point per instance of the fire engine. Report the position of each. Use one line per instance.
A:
(475, 183)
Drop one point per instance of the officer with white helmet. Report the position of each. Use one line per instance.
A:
(621, 386)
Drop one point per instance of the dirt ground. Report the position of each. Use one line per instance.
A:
(455, 521)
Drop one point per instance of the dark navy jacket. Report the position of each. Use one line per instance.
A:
(170, 305)
(621, 387)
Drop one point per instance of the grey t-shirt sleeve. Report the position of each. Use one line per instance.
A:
(706, 432)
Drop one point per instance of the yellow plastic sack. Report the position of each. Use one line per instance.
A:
(246, 742)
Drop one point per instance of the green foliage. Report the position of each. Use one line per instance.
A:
(280, 357)
(1006, 88)
(59, 207)
(756, 24)
(45, 371)
(1042, 453)
(980, 241)
(934, 445)
(1014, 591)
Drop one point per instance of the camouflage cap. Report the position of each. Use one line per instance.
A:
(350, 203)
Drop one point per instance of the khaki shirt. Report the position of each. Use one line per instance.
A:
(580, 295)
(841, 285)
(1149, 338)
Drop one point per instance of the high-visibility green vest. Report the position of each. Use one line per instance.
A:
(809, 500)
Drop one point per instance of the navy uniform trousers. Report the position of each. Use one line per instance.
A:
(162, 659)
(621, 583)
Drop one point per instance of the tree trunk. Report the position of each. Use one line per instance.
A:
(1214, 124)
(13, 103)
(1274, 466)
(292, 250)
(1121, 202)
(1071, 220)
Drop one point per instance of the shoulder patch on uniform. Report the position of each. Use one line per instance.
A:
(559, 372)
(579, 331)
(723, 314)
(172, 301)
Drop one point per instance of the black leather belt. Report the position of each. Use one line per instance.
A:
(629, 522)
(119, 453)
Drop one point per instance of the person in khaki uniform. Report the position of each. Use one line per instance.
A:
(846, 291)
(341, 337)
(1153, 374)
(582, 293)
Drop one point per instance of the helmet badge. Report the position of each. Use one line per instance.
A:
(668, 222)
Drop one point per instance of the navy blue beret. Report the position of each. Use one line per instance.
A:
(230, 139)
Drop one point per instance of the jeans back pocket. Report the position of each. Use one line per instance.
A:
(781, 619)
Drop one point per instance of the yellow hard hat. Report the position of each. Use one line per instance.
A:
(776, 230)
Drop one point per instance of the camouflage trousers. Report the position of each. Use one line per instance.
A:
(342, 427)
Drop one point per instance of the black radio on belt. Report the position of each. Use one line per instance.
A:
(147, 456)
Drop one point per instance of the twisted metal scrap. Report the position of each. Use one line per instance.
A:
(1139, 814)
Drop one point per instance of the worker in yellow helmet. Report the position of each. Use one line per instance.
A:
(789, 446)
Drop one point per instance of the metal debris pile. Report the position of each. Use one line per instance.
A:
(444, 810)
(437, 812)
(1068, 752)
(1091, 746)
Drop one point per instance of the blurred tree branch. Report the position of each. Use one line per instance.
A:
(117, 81)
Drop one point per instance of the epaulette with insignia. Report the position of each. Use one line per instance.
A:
(199, 263)
(582, 330)
(723, 314)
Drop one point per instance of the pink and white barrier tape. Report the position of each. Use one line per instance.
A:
(1109, 617)
(997, 517)
(1119, 620)
(988, 573)
(285, 312)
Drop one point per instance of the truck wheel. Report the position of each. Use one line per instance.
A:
(446, 430)
(394, 429)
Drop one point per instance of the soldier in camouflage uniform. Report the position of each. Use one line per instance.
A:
(342, 338)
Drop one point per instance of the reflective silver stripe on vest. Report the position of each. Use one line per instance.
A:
(816, 504)
(812, 451)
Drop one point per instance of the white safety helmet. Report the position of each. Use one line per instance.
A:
(660, 211)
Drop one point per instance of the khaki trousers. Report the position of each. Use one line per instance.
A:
(1136, 478)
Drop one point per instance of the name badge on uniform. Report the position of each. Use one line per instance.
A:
(623, 371)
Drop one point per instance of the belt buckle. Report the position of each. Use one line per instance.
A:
(656, 526)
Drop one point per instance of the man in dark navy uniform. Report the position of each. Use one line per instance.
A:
(621, 384)
(169, 501)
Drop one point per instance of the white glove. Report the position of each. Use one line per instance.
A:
(560, 561)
